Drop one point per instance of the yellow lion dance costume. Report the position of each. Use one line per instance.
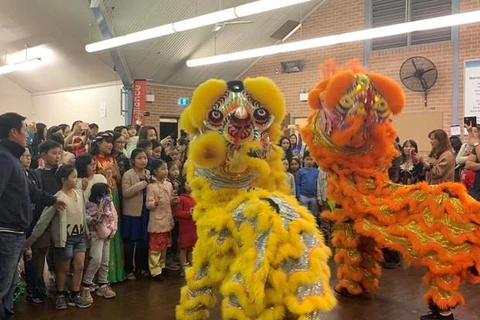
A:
(350, 135)
(256, 246)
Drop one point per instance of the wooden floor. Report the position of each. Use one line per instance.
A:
(400, 298)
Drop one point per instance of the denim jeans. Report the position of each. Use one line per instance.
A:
(311, 203)
(11, 250)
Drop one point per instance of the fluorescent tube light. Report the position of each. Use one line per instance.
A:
(193, 23)
(426, 24)
(24, 65)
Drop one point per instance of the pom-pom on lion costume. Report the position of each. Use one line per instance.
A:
(351, 137)
(256, 246)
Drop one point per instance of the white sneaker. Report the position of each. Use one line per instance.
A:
(86, 295)
(106, 291)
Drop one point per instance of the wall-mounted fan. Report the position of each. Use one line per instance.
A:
(221, 25)
(419, 74)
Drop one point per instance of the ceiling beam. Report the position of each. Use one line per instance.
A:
(120, 65)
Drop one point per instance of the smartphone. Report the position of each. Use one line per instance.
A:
(291, 127)
(470, 121)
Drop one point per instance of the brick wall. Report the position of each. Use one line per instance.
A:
(166, 102)
(338, 16)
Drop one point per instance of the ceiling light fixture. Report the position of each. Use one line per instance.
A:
(24, 65)
(426, 24)
(193, 23)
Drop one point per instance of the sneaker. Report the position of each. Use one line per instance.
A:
(61, 302)
(106, 291)
(78, 301)
(93, 287)
(86, 295)
(131, 276)
(33, 298)
(172, 265)
(435, 315)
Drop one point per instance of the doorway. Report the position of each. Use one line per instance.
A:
(168, 127)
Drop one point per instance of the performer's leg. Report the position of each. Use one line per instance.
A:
(348, 259)
(371, 257)
(443, 294)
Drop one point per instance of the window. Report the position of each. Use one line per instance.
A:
(388, 12)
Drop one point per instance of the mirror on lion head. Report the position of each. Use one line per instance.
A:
(234, 126)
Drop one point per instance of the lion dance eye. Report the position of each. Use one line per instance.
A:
(215, 117)
(261, 115)
(381, 105)
(346, 103)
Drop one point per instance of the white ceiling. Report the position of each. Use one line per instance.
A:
(66, 26)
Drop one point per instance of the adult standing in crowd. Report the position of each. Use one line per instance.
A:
(15, 213)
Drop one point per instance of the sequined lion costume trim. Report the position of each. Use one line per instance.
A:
(256, 246)
(351, 137)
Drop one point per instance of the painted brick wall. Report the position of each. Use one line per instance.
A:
(337, 16)
(166, 102)
(331, 18)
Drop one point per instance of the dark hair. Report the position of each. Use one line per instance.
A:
(53, 129)
(57, 137)
(39, 134)
(296, 138)
(48, 145)
(119, 129)
(181, 187)
(182, 141)
(75, 123)
(64, 171)
(130, 126)
(143, 132)
(98, 191)
(456, 143)
(289, 152)
(170, 164)
(9, 121)
(102, 136)
(144, 144)
(81, 164)
(156, 144)
(63, 126)
(135, 153)
(116, 135)
(297, 160)
(443, 143)
(157, 164)
(413, 144)
(93, 126)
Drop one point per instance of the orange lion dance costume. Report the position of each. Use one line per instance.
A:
(350, 135)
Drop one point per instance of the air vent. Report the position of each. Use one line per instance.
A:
(286, 30)
(292, 66)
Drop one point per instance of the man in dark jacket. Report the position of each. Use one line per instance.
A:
(15, 208)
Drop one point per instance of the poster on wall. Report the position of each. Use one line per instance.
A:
(139, 102)
(472, 88)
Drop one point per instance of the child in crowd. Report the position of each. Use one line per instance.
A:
(132, 140)
(51, 155)
(306, 184)
(135, 216)
(186, 226)
(290, 177)
(146, 145)
(102, 223)
(69, 232)
(156, 150)
(107, 165)
(295, 165)
(173, 261)
(85, 165)
(159, 201)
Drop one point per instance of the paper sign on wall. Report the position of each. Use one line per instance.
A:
(103, 109)
(472, 88)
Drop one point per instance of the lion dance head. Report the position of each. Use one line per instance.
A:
(235, 126)
(351, 119)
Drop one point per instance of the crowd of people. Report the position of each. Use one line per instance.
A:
(99, 206)
(109, 206)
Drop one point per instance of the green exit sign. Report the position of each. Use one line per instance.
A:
(183, 102)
